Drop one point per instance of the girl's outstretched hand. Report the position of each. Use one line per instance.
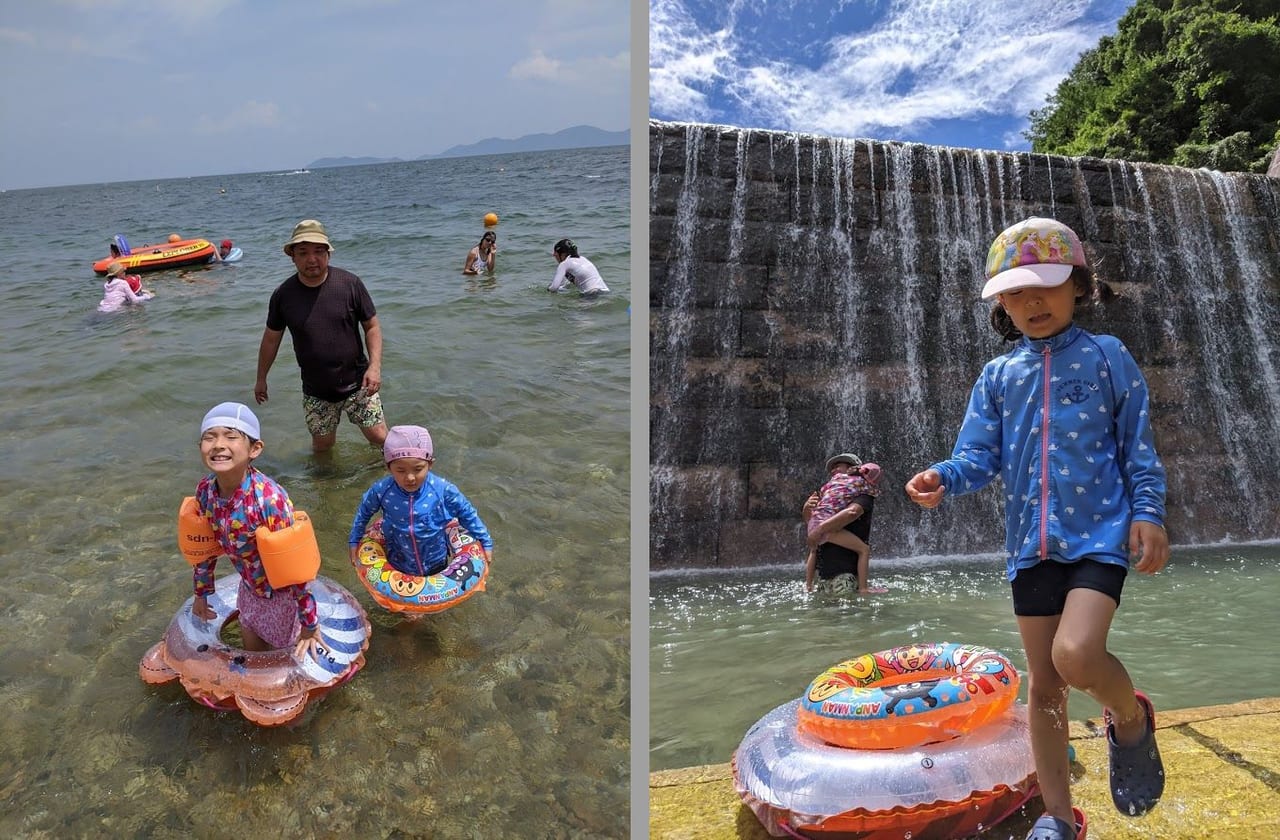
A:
(925, 488)
(1149, 546)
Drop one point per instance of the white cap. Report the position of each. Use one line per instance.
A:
(232, 415)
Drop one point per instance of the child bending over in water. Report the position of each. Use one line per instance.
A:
(1064, 419)
(848, 481)
(237, 498)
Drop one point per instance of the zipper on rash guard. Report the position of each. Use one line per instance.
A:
(1044, 457)
(413, 537)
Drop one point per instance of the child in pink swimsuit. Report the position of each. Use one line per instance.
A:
(847, 482)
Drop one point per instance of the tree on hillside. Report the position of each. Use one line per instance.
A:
(1187, 82)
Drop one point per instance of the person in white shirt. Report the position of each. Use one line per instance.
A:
(576, 270)
(116, 292)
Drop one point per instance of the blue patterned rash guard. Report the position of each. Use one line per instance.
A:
(413, 523)
(1076, 475)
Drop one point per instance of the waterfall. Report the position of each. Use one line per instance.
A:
(811, 295)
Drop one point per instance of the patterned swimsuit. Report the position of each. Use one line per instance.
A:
(837, 494)
(275, 615)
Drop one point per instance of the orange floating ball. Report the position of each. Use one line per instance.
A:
(490, 219)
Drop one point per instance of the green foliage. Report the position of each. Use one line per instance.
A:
(1230, 154)
(1188, 82)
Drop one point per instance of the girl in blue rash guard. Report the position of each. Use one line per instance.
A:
(416, 504)
(1063, 419)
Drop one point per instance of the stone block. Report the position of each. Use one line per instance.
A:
(662, 243)
(759, 542)
(761, 333)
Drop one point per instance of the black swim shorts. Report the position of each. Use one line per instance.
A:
(1042, 589)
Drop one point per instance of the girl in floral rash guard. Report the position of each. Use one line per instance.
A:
(237, 498)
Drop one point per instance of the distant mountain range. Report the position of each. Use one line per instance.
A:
(577, 137)
(321, 163)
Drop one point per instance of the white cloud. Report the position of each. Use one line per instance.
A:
(536, 66)
(1014, 139)
(591, 70)
(924, 60)
(685, 61)
(16, 36)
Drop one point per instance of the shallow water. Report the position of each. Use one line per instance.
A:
(505, 716)
(725, 648)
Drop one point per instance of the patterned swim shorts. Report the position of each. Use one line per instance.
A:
(842, 584)
(363, 409)
(274, 619)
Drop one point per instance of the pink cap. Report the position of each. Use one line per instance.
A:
(407, 442)
(871, 472)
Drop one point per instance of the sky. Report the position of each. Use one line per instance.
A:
(114, 90)
(962, 73)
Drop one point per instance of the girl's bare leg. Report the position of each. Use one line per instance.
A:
(1080, 655)
(1047, 714)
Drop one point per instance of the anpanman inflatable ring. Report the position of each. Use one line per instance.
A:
(909, 695)
(400, 592)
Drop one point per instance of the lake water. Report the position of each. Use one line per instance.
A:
(727, 647)
(507, 716)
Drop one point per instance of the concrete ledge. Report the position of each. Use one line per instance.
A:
(1222, 765)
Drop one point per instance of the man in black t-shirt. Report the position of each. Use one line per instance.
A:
(324, 309)
(838, 569)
